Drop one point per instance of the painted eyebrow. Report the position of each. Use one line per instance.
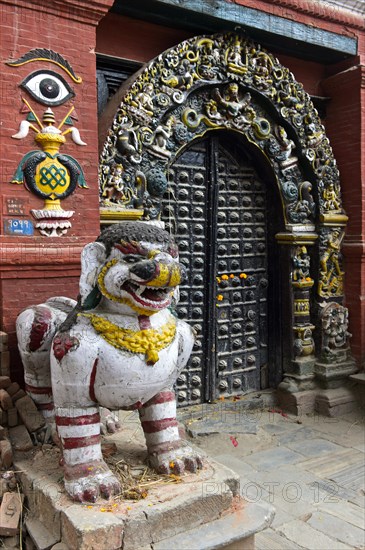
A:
(42, 54)
(130, 248)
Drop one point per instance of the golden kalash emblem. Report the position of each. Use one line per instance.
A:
(48, 174)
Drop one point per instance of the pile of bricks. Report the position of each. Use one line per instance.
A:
(21, 427)
(4, 355)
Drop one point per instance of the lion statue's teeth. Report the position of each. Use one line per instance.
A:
(140, 290)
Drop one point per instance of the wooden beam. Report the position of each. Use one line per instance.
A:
(274, 32)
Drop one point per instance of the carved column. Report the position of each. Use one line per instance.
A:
(299, 372)
(336, 361)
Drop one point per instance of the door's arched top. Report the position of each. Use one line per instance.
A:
(212, 83)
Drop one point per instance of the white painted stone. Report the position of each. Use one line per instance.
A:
(88, 367)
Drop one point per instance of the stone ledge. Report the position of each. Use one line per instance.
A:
(203, 503)
(359, 378)
(238, 527)
(335, 402)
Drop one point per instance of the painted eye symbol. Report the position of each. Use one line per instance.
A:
(47, 87)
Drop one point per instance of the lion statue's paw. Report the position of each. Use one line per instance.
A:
(168, 460)
(109, 421)
(86, 482)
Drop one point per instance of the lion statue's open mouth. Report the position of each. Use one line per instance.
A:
(149, 297)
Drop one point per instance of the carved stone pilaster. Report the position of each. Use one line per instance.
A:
(335, 362)
(300, 372)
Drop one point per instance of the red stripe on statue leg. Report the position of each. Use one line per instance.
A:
(162, 397)
(78, 442)
(153, 426)
(78, 420)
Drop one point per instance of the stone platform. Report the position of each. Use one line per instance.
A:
(197, 511)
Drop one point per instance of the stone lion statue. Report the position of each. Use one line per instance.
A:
(118, 347)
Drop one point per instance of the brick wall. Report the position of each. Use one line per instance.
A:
(35, 268)
(345, 130)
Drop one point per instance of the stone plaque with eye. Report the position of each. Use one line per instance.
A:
(47, 87)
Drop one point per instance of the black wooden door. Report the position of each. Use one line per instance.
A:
(217, 209)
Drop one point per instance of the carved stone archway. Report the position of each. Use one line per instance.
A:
(226, 82)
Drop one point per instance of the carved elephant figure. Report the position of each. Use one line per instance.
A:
(118, 347)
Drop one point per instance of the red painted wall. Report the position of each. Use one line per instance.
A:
(35, 268)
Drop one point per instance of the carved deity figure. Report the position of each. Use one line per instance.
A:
(304, 208)
(144, 99)
(183, 79)
(127, 142)
(119, 347)
(230, 104)
(234, 59)
(301, 262)
(332, 252)
(287, 146)
(262, 65)
(113, 190)
(161, 136)
(331, 281)
(331, 198)
(334, 327)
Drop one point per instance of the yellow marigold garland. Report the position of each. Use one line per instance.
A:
(148, 341)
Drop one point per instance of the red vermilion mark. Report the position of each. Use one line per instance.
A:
(234, 441)
(40, 327)
(92, 382)
(63, 343)
(144, 322)
(278, 411)
(174, 250)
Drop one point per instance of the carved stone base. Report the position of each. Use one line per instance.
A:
(303, 366)
(333, 375)
(335, 402)
(297, 382)
(357, 382)
(298, 403)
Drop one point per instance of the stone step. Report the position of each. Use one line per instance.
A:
(42, 538)
(235, 530)
(359, 377)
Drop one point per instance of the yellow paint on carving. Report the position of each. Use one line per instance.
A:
(120, 300)
(149, 341)
(175, 276)
(75, 78)
(162, 279)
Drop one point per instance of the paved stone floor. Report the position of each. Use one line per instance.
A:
(311, 468)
